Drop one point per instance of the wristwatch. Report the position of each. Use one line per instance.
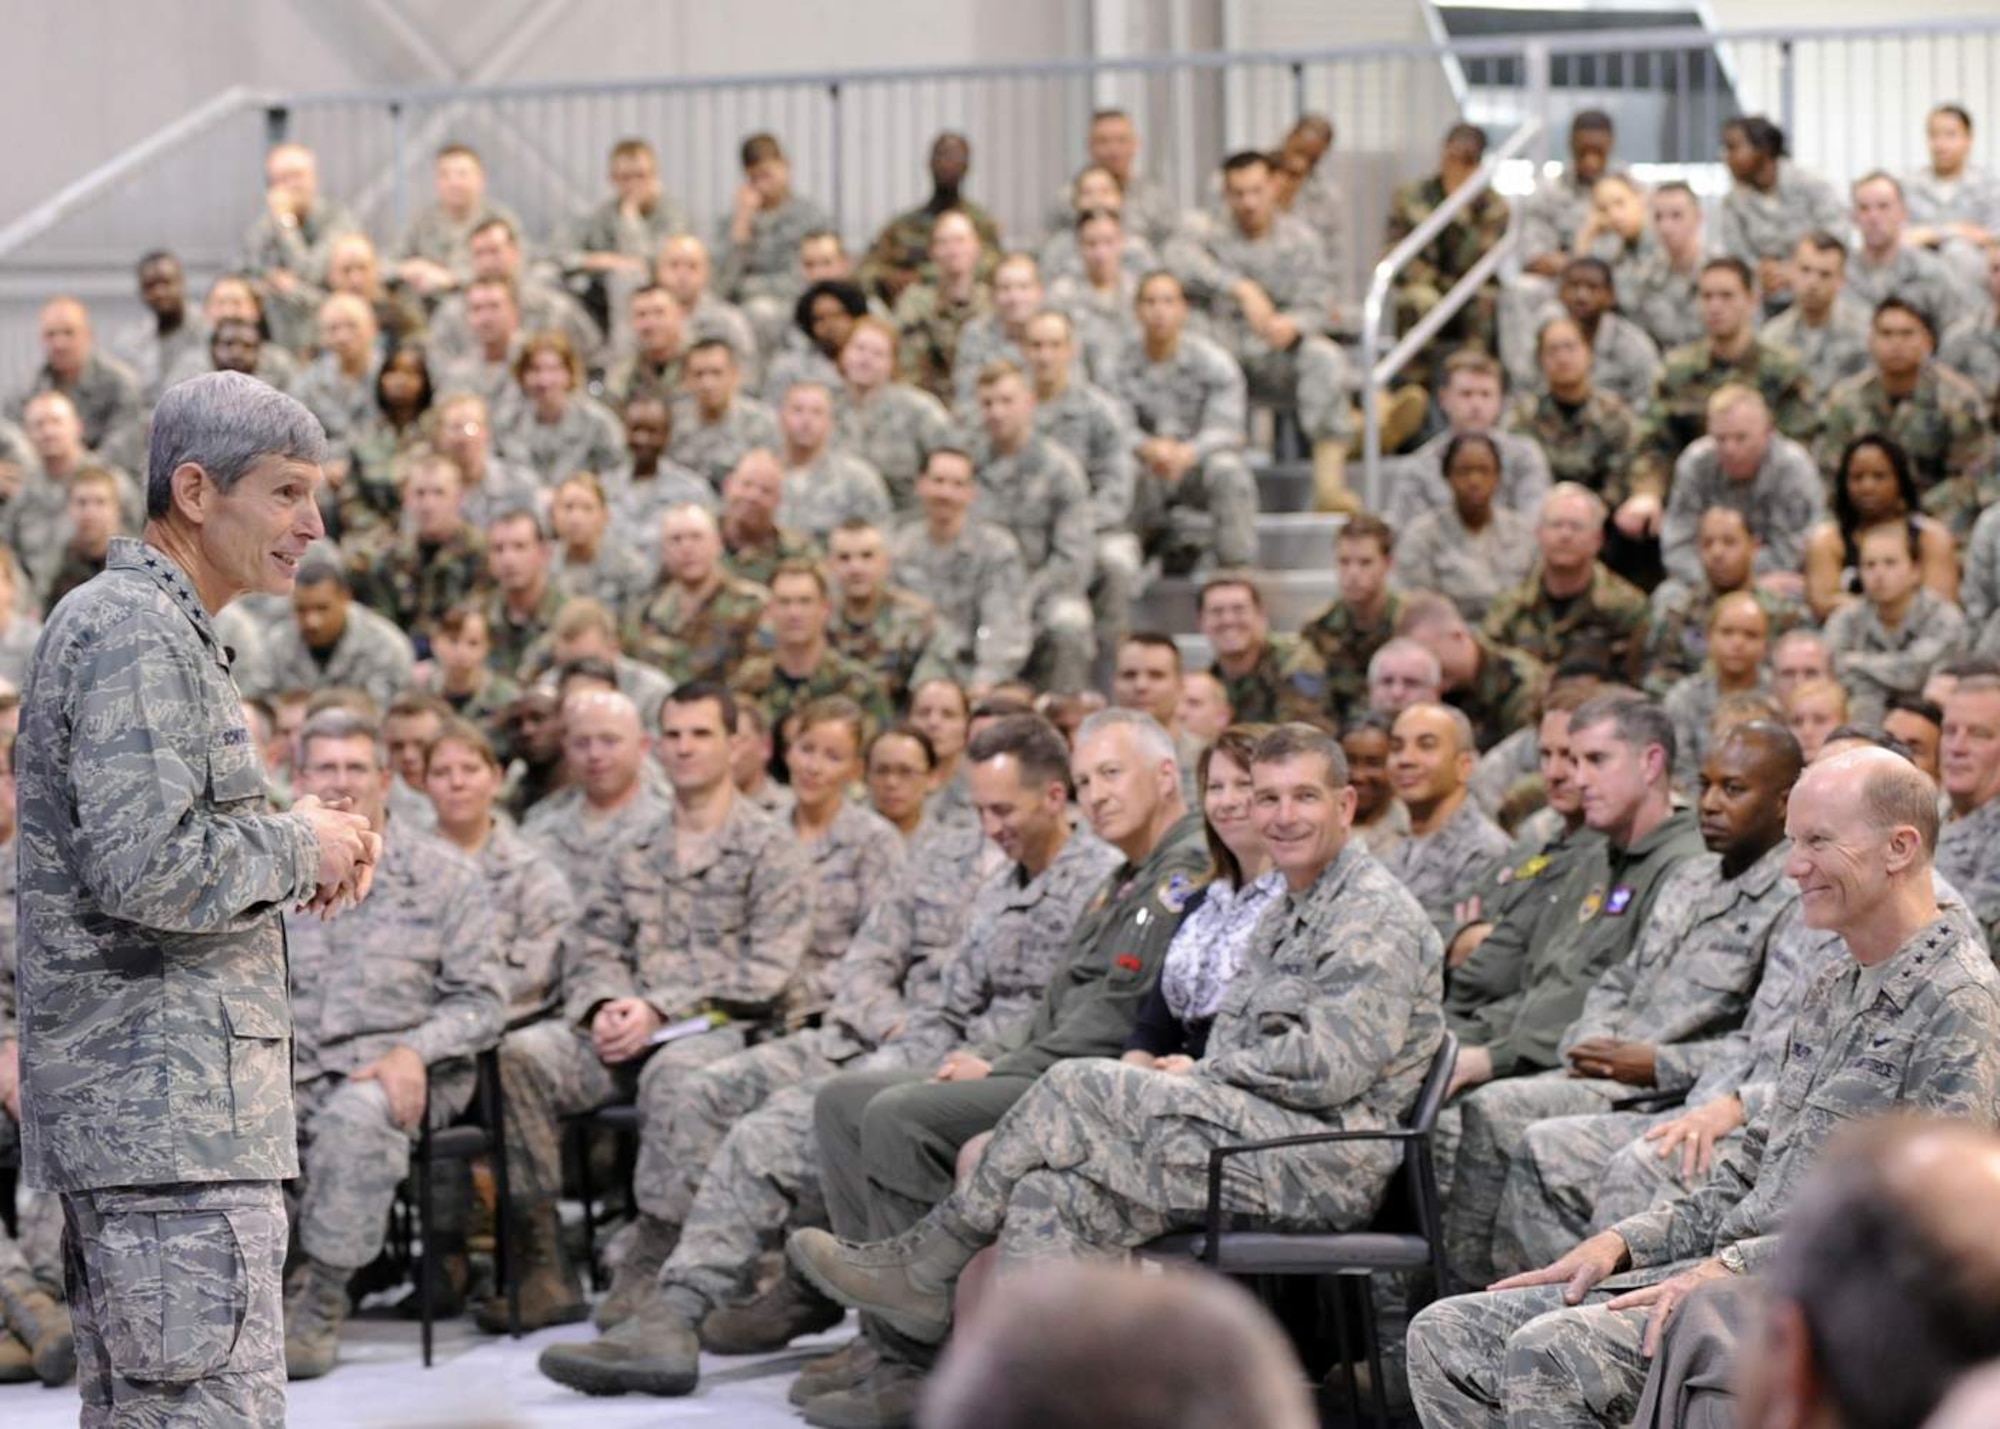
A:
(1732, 1259)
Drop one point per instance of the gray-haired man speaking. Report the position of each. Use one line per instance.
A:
(155, 1030)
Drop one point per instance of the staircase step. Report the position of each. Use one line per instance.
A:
(1284, 486)
(1296, 541)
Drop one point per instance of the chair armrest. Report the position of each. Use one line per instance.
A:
(1651, 1101)
(1219, 1154)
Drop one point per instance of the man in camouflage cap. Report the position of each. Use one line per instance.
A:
(153, 878)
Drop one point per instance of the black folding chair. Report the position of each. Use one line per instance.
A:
(622, 1120)
(10, 1177)
(1408, 1236)
(482, 1131)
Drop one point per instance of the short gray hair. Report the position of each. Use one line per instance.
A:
(1154, 742)
(336, 722)
(225, 423)
(1405, 645)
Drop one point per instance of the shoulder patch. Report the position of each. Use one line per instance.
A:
(1175, 893)
(1592, 901)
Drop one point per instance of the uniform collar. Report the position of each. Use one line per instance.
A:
(130, 554)
(1917, 961)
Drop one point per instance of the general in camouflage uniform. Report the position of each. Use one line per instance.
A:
(1921, 1031)
(1689, 377)
(152, 874)
(1605, 624)
(1688, 978)
(1942, 424)
(1831, 351)
(698, 635)
(1195, 394)
(416, 969)
(1331, 1023)
(1781, 502)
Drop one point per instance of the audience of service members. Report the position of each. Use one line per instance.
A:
(734, 639)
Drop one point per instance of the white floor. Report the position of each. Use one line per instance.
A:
(484, 1383)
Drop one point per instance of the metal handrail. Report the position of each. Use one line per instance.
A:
(1375, 372)
(184, 130)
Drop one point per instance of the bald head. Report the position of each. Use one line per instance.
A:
(1192, 1352)
(1899, 1212)
(1863, 826)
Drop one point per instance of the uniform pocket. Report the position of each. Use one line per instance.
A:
(235, 769)
(178, 1289)
(260, 1074)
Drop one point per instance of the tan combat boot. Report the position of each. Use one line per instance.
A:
(770, 1320)
(637, 1278)
(40, 1322)
(551, 1293)
(314, 1314)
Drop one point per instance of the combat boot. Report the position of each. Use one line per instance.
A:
(551, 1293)
(885, 1399)
(771, 1320)
(17, 1365)
(41, 1323)
(907, 1281)
(313, 1317)
(654, 1351)
(1330, 489)
(829, 1374)
(637, 1278)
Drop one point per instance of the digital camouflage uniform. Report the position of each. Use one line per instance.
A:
(1677, 642)
(413, 582)
(890, 642)
(855, 863)
(566, 830)
(756, 557)
(1288, 262)
(1690, 703)
(1917, 276)
(1086, 422)
(637, 503)
(1688, 979)
(1194, 395)
(1286, 682)
(417, 966)
(1038, 493)
(586, 437)
(928, 324)
(1624, 360)
(1781, 503)
(1689, 377)
(616, 576)
(894, 431)
(542, 308)
(1965, 857)
(437, 237)
(636, 375)
(371, 654)
(711, 449)
(1330, 1024)
(698, 637)
(1446, 866)
(609, 227)
(759, 681)
(151, 882)
(799, 360)
(1920, 1032)
(532, 908)
(1656, 294)
(835, 486)
(35, 522)
(1605, 624)
(512, 637)
(151, 355)
(764, 271)
(1474, 568)
(1449, 257)
(1345, 643)
(725, 929)
(1971, 347)
(982, 340)
(978, 585)
(1876, 663)
(1832, 352)
(1416, 482)
(958, 950)
(1758, 224)
(342, 403)
(1102, 318)
(301, 248)
(1943, 425)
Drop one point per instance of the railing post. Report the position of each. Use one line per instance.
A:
(1299, 91)
(1535, 90)
(1787, 86)
(834, 138)
(277, 124)
(399, 179)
